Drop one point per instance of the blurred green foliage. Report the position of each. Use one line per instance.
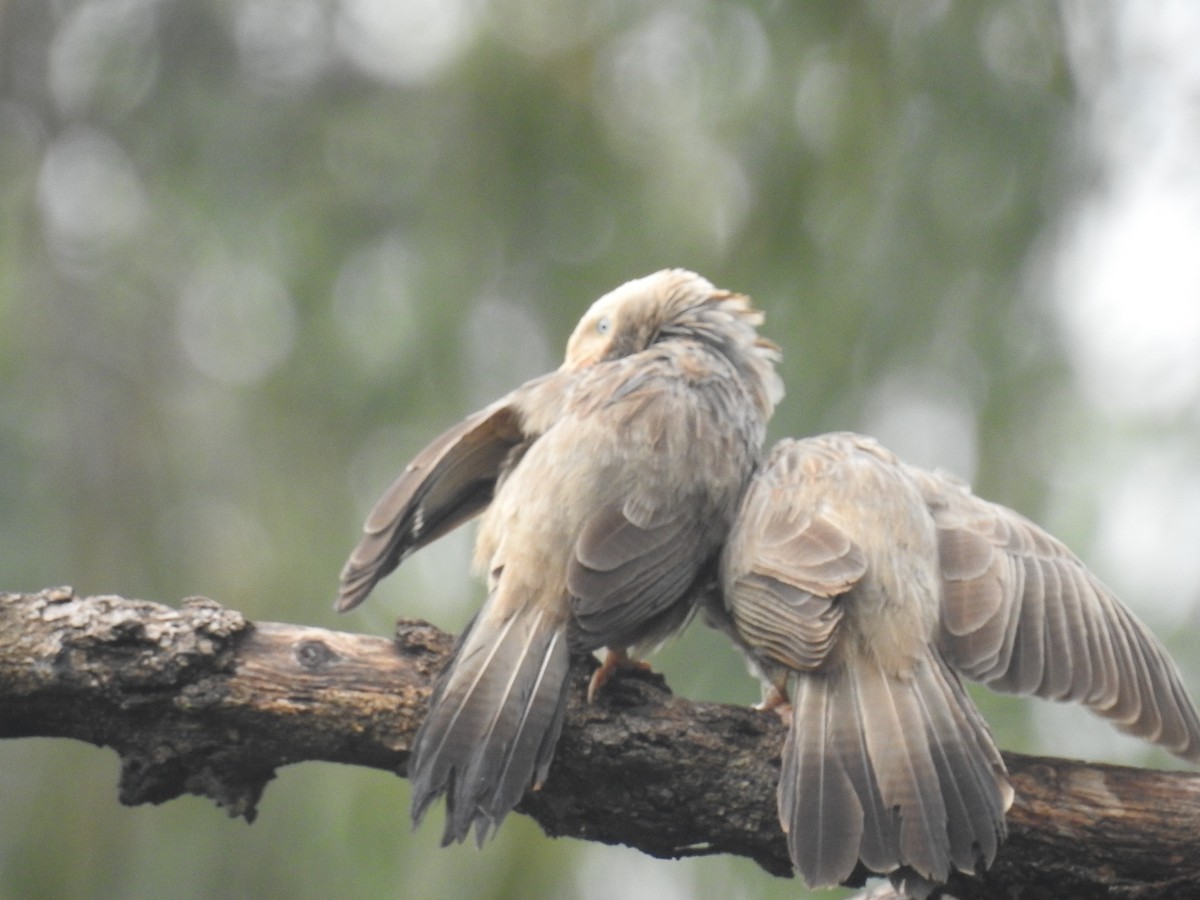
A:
(255, 253)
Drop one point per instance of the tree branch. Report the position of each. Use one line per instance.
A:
(198, 700)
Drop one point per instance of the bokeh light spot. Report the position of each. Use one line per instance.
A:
(236, 321)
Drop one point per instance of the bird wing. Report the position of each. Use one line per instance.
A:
(787, 563)
(670, 436)
(1022, 614)
(624, 575)
(448, 483)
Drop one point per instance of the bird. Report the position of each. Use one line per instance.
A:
(863, 590)
(606, 488)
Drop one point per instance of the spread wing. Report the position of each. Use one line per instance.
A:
(786, 564)
(448, 482)
(1023, 615)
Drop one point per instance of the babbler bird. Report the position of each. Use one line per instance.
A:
(867, 587)
(608, 487)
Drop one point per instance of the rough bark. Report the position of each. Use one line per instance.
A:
(199, 700)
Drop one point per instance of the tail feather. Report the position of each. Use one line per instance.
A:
(821, 806)
(971, 772)
(878, 846)
(903, 764)
(897, 773)
(493, 722)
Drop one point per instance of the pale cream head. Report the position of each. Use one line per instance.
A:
(675, 304)
(627, 319)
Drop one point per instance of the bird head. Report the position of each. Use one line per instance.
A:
(675, 304)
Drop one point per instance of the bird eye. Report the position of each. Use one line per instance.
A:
(603, 325)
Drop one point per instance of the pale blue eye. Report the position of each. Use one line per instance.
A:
(603, 325)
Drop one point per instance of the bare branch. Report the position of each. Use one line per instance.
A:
(198, 700)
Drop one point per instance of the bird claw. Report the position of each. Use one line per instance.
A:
(775, 700)
(613, 660)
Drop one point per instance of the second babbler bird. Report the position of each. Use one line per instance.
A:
(864, 587)
(609, 486)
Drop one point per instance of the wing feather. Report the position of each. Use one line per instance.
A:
(447, 483)
(1022, 614)
(784, 573)
(787, 564)
(624, 575)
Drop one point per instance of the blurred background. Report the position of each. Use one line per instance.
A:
(255, 254)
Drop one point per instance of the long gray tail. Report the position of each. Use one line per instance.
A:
(493, 721)
(897, 773)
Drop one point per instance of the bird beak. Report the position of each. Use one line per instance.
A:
(578, 363)
(578, 359)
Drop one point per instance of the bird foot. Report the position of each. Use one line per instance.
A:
(775, 700)
(613, 660)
